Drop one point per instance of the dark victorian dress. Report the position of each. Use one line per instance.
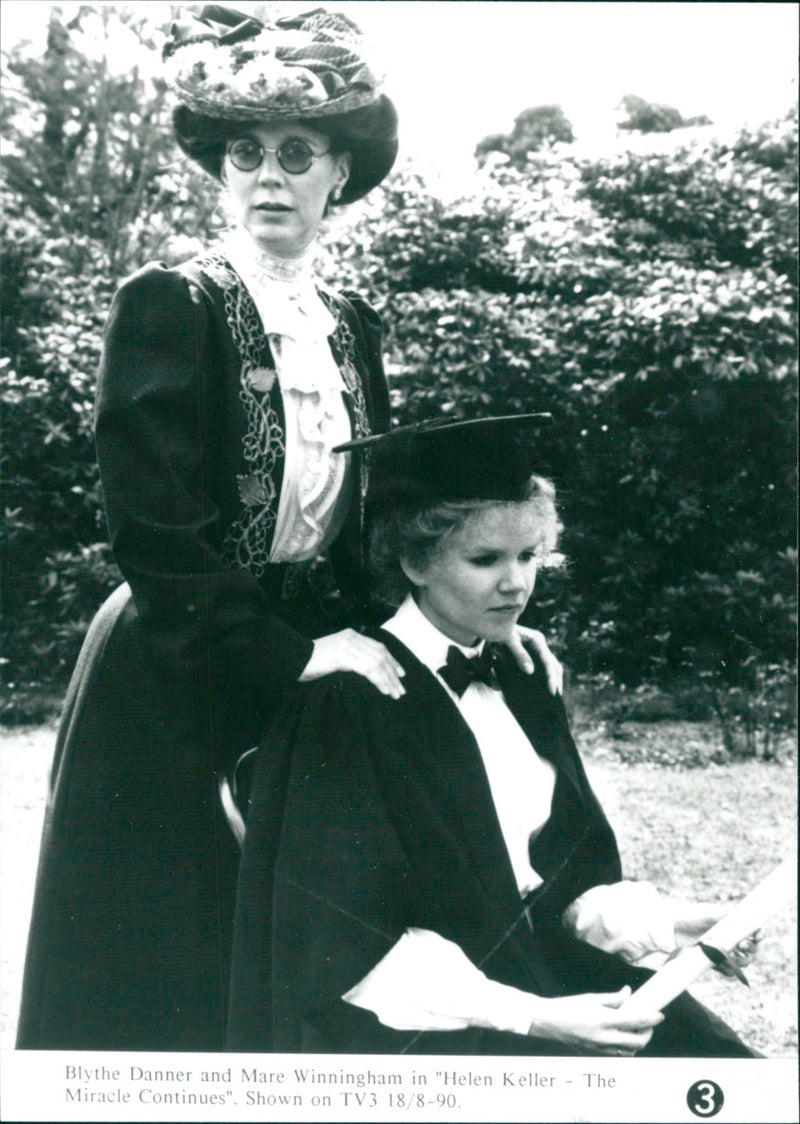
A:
(182, 668)
(387, 827)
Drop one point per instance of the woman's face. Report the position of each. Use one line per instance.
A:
(479, 581)
(280, 210)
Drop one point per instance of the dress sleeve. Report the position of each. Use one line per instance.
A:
(155, 431)
(426, 982)
(627, 919)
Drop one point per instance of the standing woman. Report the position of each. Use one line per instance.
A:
(225, 384)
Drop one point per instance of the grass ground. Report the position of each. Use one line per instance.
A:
(712, 834)
(703, 833)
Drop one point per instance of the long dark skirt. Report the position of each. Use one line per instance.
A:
(131, 931)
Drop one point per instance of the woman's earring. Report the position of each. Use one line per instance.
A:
(336, 194)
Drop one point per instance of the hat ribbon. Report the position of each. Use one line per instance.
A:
(215, 21)
(227, 26)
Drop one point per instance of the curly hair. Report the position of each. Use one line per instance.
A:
(418, 534)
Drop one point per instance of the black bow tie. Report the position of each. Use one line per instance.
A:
(461, 670)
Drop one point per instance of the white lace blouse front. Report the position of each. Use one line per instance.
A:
(316, 481)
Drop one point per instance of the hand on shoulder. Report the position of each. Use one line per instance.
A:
(349, 650)
(526, 640)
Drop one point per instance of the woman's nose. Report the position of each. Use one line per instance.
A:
(513, 577)
(519, 577)
(269, 170)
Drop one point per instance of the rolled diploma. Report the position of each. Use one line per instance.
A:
(749, 914)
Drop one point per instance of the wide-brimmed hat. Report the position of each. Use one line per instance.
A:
(228, 68)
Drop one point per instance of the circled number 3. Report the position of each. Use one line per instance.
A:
(705, 1098)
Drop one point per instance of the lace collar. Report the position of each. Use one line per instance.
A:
(284, 289)
(263, 264)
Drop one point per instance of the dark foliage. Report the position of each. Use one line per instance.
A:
(648, 300)
(91, 188)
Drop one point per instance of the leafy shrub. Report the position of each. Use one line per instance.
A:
(90, 190)
(709, 204)
(648, 300)
(50, 485)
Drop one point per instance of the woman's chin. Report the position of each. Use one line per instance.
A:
(499, 631)
(273, 233)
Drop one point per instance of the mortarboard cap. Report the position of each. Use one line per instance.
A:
(433, 461)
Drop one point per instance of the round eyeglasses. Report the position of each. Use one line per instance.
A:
(294, 155)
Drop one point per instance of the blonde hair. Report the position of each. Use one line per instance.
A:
(418, 534)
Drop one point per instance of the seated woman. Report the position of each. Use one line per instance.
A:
(421, 884)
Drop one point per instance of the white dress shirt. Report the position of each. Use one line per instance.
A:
(426, 982)
(521, 782)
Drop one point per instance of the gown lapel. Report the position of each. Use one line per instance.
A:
(542, 718)
(442, 747)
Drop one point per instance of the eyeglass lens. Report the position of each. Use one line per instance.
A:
(294, 155)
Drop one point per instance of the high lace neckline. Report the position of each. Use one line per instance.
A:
(267, 266)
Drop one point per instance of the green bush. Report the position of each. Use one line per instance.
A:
(91, 189)
(53, 531)
(648, 301)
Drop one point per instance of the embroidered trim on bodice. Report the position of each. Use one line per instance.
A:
(247, 541)
(343, 344)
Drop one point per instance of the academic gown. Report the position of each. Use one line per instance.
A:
(386, 823)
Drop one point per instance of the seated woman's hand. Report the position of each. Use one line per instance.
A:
(348, 650)
(554, 672)
(593, 1024)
